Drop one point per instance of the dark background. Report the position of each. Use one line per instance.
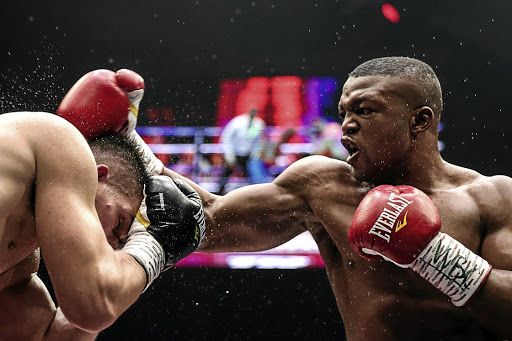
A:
(183, 49)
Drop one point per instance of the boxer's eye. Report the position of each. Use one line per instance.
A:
(363, 111)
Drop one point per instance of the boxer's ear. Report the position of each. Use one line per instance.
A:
(102, 172)
(421, 120)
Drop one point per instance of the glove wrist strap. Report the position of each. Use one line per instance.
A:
(452, 268)
(148, 253)
(153, 165)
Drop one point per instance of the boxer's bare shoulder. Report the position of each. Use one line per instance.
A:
(492, 197)
(36, 150)
(474, 208)
(313, 173)
(17, 175)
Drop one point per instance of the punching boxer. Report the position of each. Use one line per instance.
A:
(55, 198)
(448, 270)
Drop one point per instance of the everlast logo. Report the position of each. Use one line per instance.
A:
(384, 224)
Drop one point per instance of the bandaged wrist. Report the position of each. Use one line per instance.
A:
(148, 253)
(153, 165)
(452, 268)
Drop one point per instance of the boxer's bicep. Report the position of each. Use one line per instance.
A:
(69, 232)
(496, 245)
(67, 225)
(491, 305)
(253, 218)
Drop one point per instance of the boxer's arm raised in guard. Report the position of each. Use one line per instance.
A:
(93, 283)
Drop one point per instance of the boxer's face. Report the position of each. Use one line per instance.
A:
(116, 211)
(375, 126)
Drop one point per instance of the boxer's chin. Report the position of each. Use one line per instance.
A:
(358, 175)
(362, 175)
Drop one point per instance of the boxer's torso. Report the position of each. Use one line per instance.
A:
(378, 300)
(17, 225)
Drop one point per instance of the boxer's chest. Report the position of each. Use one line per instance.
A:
(460, 217)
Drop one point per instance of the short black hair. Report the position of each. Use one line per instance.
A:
(127, 154)
(406, 67)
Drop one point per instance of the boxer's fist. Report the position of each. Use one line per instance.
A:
(176, 217)
(395, 223)
(401, 225)
(103, 102)
(107, 102)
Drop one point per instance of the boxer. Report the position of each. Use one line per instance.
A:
(57, 199)
(414, 247)
(443, 239)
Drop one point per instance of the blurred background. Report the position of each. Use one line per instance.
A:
(206, 62)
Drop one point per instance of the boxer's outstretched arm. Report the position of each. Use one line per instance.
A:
(256, 217)
(492, 306)
(93, 283)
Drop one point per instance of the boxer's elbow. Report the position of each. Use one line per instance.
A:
(91, 315)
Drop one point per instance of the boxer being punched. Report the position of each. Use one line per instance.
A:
(434, 285)
(56, 198)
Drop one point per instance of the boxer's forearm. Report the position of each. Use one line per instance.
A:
(206, 196)
(61, 330)
(251, 218)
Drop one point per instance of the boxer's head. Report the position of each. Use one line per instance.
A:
(391, 109)
(121, 175)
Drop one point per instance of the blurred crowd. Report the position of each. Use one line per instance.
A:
(245, 151)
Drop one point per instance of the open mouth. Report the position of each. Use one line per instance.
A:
(352, 150)
(351, 147)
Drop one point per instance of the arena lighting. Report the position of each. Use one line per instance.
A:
(390, 13)
(267, 262)
(300, 252)
(290, 101)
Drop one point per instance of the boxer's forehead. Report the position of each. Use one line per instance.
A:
(357, 89)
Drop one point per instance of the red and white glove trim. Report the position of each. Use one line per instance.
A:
(452, 268)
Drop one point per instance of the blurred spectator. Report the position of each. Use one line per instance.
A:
(264, 156)
(184, 165)
(239, 138)
(326, 139)
(158, 139)
(159, 117)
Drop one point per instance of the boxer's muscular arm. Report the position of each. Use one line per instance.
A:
(28, 313)
(256, 217)
(93, 283)
(492, 306)
(61, 330)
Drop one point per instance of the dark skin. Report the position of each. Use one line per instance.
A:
(391, 134)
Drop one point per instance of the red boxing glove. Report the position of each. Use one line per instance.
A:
(401, 224)
(394, 222)
(106, 102)
(103, 102)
